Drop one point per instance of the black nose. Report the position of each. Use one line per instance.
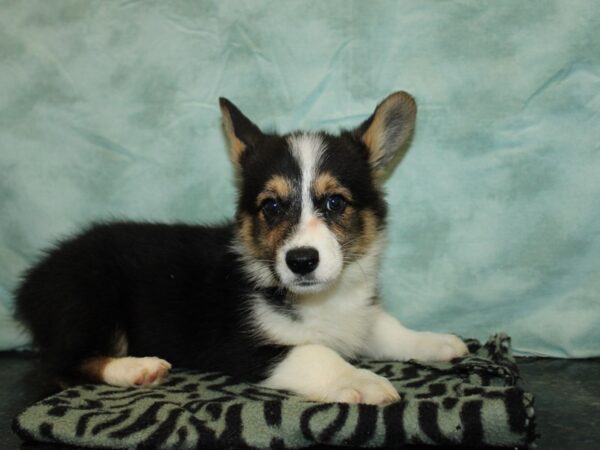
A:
(302, 260)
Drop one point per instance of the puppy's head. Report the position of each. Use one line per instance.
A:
(310, 203)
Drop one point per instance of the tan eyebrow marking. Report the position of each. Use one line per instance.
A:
(328, 184)
(277, 186)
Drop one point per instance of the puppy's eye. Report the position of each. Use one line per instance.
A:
(335, 203)
(272, 208)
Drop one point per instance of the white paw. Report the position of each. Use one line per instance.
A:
(439, 347)
(129, 371)
(361, 386)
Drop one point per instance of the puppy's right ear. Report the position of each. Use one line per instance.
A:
(241, 132)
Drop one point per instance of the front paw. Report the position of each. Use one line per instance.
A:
(439, 347)
(361, 386)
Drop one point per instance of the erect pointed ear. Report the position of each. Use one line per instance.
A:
(388, 131)
(241, 132)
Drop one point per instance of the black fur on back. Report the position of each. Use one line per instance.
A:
(176, 291)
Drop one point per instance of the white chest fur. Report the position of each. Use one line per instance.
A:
(341, 317)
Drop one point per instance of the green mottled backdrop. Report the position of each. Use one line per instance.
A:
(109, 109)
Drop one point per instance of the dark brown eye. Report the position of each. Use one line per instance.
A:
(335, 203)
(272, 208)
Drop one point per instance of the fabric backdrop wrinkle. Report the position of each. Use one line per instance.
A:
(109, 110)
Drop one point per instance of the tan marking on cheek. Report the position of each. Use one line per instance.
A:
(266, 242)
(275, 237)
(277, 187)
(353, 242)
(245, 233)
(327, 184)
(340, 235)
(342, 230)
(369, 231)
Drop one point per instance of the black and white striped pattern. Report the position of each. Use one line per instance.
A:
(474, 401)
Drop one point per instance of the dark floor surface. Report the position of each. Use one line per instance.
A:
(567, 398)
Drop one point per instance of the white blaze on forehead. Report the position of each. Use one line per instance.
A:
(311, 230)
(307, 149)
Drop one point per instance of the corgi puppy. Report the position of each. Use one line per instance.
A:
(284, 295)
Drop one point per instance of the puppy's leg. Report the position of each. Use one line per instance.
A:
(126, 371)
(319, 373)
(391, 340)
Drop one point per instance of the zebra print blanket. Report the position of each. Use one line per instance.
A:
(473, 401)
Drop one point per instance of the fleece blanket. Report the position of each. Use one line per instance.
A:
(473, 401)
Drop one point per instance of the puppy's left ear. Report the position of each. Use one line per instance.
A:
(388, 131)
(243, 135)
